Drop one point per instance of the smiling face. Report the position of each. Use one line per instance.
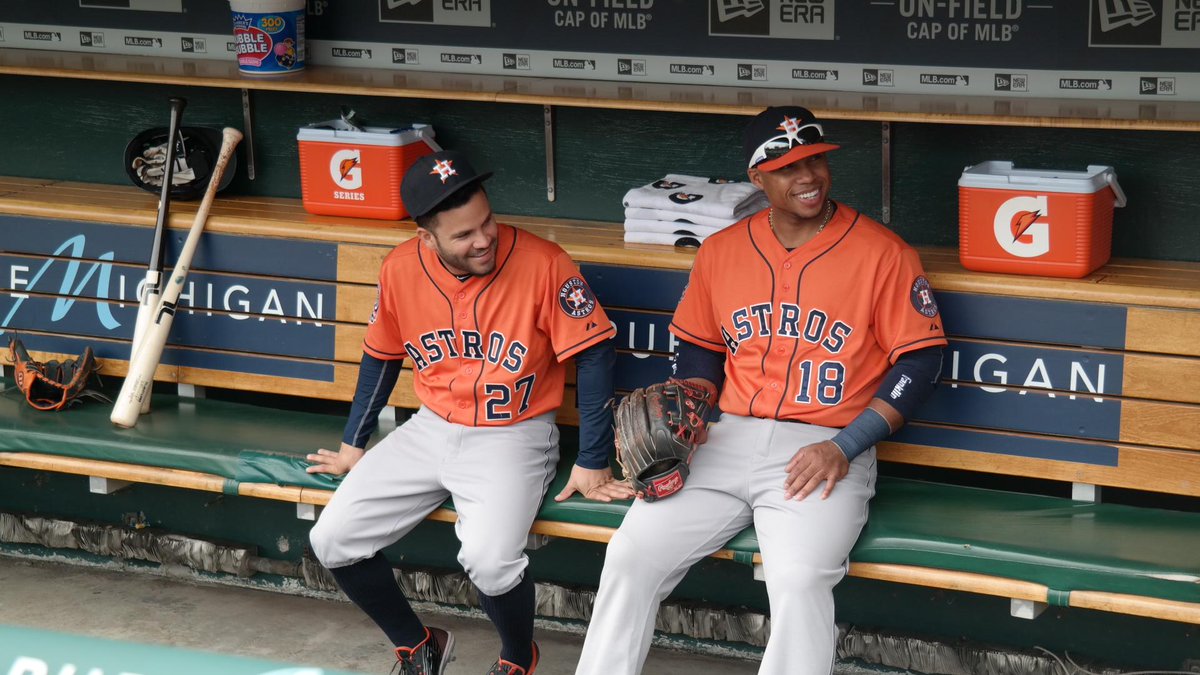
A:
(465, 238)
(799, 189)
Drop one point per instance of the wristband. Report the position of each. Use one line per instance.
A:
(866, 430)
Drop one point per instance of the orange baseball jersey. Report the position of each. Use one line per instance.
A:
(808, 334)
(487, 351)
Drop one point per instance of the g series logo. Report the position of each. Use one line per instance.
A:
(1021, 226)
(345, 168)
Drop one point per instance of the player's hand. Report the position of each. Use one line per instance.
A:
(327, 461)
(812, 465)
(595, 484)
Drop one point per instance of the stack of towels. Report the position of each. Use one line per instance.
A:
(681, 210)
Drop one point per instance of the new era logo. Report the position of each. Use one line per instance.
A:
(406, 10)
(1131, 23)
(515, 61)
(752, 71)
(635, 67)
(1117, 13)
(1157, 86)
(405, 55)
(1011, 82)
(732, 9)
(874, 77)
(193, 45)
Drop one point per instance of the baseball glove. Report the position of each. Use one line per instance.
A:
(53, 385)
(657, 430)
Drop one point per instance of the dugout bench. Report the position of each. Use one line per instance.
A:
(1090, 383)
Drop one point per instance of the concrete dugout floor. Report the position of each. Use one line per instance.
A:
(164, 610)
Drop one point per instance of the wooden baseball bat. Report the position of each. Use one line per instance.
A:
(144, 360)
(152, 289)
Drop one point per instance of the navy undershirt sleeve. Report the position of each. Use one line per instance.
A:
(911, 380)
(376, 379)
(695, 361)
(594, 394)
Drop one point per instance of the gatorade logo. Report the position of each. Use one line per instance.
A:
(345, 169)
(1021, 226)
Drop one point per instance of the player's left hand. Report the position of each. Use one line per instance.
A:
(811, 465)
(595, 484)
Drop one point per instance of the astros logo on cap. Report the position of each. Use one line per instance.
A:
(790, 127)
(443, 169)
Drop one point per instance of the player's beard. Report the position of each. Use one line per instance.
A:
(476, 263)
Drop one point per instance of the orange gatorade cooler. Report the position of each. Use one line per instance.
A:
(357, 171)
(1023, 221)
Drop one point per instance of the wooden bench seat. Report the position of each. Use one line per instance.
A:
(1087, 382)
(238, 449)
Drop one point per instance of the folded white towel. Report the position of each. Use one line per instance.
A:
(683, 194)
(668, 239)
(635, 213)
(669, 227)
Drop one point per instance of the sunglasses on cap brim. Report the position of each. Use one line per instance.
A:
(778, 146)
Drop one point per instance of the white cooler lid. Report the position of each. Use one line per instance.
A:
(998, 175)
(398, 136)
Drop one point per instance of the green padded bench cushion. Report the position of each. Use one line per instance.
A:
(236, 441)
(1062, 544)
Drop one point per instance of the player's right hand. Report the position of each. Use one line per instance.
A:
(327, 461)
(812, 465)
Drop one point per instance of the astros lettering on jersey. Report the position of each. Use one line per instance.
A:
(487, 351)
(797, 346)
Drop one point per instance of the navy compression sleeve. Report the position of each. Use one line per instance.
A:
(376, 379)
(695, 361)
(911, 380)
(593, 395)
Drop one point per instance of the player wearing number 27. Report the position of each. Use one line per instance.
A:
(820, 332)
(487, 314)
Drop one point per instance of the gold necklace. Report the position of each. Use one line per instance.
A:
(824, 221)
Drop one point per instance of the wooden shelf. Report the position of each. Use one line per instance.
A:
(1147, 283)
(882, 107)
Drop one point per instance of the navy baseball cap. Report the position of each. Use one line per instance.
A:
(433, 178)
(781, 135)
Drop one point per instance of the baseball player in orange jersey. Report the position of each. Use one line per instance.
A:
(487, 314)
(819, 330)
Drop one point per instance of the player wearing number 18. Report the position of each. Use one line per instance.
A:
(817, 327)
(487, 314)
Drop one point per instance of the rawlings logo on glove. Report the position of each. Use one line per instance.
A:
(53, 385)
(657, 430)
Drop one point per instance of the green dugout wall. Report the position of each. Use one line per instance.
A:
(77, 130)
